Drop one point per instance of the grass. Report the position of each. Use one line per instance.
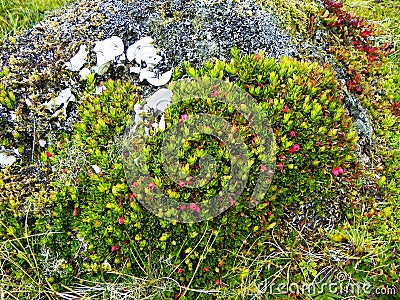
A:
(17, 15)
(385, 14)
(361, 249)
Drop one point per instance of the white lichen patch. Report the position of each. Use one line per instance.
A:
(96, 169)
(111, 50)
(145, 54)
(106, 52)
(77, 61)
(42, 143)
(61, 102)
(150, 112)
(7, 160)
(8, 157)
(84, 73)
(133, 51)
(100, 89)
(62, 99)
(160, 80)
(160, 99)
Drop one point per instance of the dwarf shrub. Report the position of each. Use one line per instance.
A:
(315, 139)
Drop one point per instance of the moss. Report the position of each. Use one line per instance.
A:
(293, 14)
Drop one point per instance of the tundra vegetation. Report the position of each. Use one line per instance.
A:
(71, 227)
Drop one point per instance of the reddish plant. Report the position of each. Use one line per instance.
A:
(395, 108)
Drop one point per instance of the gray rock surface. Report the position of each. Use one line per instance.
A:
(194, 31)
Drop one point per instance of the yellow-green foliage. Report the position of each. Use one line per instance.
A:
(16, 15)
(294, 14)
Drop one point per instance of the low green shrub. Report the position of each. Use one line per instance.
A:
(105, 223)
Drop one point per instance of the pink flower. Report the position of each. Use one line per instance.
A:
(183, 207)
(294, 148)
(121, 220)
(218, 282)
(215, 87)
(257, 56)
(135, 184)
(151, 186)
(337, 171)
(181, 183)
(216, 94)
(263, 168)
(292, 133)
(194, 207)
(180, 271)
(114, 248)
(282, 157)
(285, 108)
(184, 117)
(48, 154)
(206, 269)
(64, 171)
(232, 202)
(280, 166)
